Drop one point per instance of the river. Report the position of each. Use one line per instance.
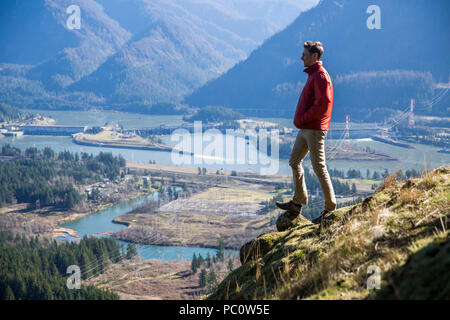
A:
(101, 221)
(419, 157)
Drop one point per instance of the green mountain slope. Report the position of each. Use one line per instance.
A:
(178, 46)
(98, 37)
(127, 51)
(402, 229)
(166, 62)
(371, 68)
(9, 113)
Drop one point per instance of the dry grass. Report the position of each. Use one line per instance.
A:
(234, 194)
(431, 180)
(389, 182)
(332, 262)
(151, 280)
(230, 212)
(410, 195)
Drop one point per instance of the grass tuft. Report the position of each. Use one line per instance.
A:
(396, 230)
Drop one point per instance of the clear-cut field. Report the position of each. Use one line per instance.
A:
(233, 213)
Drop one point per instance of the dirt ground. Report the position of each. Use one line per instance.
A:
(152, 280)
(230, 212)
(194, 171)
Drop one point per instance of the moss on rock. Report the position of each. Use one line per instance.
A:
(405, 236)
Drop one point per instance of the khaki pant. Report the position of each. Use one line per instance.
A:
(312, 141)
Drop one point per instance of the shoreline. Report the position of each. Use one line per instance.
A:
(160, 242)
(95, 143)
(392, 142)
(376, 157)
(57, 231)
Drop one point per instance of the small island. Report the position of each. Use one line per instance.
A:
(109, 136)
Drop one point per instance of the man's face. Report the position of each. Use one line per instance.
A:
(308, 58)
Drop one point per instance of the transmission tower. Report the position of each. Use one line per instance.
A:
(411, 114)
(347, 132)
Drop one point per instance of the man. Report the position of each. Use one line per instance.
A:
(312, 117)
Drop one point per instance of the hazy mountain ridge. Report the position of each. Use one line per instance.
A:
(183, 45)
(107, 55)
(98, 38)
(153, 67)
(268, 78)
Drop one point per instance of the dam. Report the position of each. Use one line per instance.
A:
(55, 130)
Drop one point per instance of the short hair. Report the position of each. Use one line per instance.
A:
(314, 47)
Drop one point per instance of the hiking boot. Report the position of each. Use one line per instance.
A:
(319, 219)
(290, 206)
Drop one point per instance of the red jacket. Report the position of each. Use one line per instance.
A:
(316, 100)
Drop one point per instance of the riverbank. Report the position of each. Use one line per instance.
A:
(337, 150)
(46, 221)
(232, 211)
(192, 173)
(61, 233)
(391, 142)
(356, 155)
(113, 139)
(231, 207)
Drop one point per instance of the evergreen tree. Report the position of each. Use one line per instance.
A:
(230, 265)
(200, 260)
(194, 263)
(36, 270)
(49, 153)
(9, 294)
(376, 175)
(145, 182)
(211, 278)
(220, 253)
(208, 260)
(203, 279)
(131, 251)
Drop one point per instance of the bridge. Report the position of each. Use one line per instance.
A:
(55, 130)
(363, 130)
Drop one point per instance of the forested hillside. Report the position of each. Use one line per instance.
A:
(52, 178)
(127, 51)
(32, 269)
(374, 71)
(10, 113)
